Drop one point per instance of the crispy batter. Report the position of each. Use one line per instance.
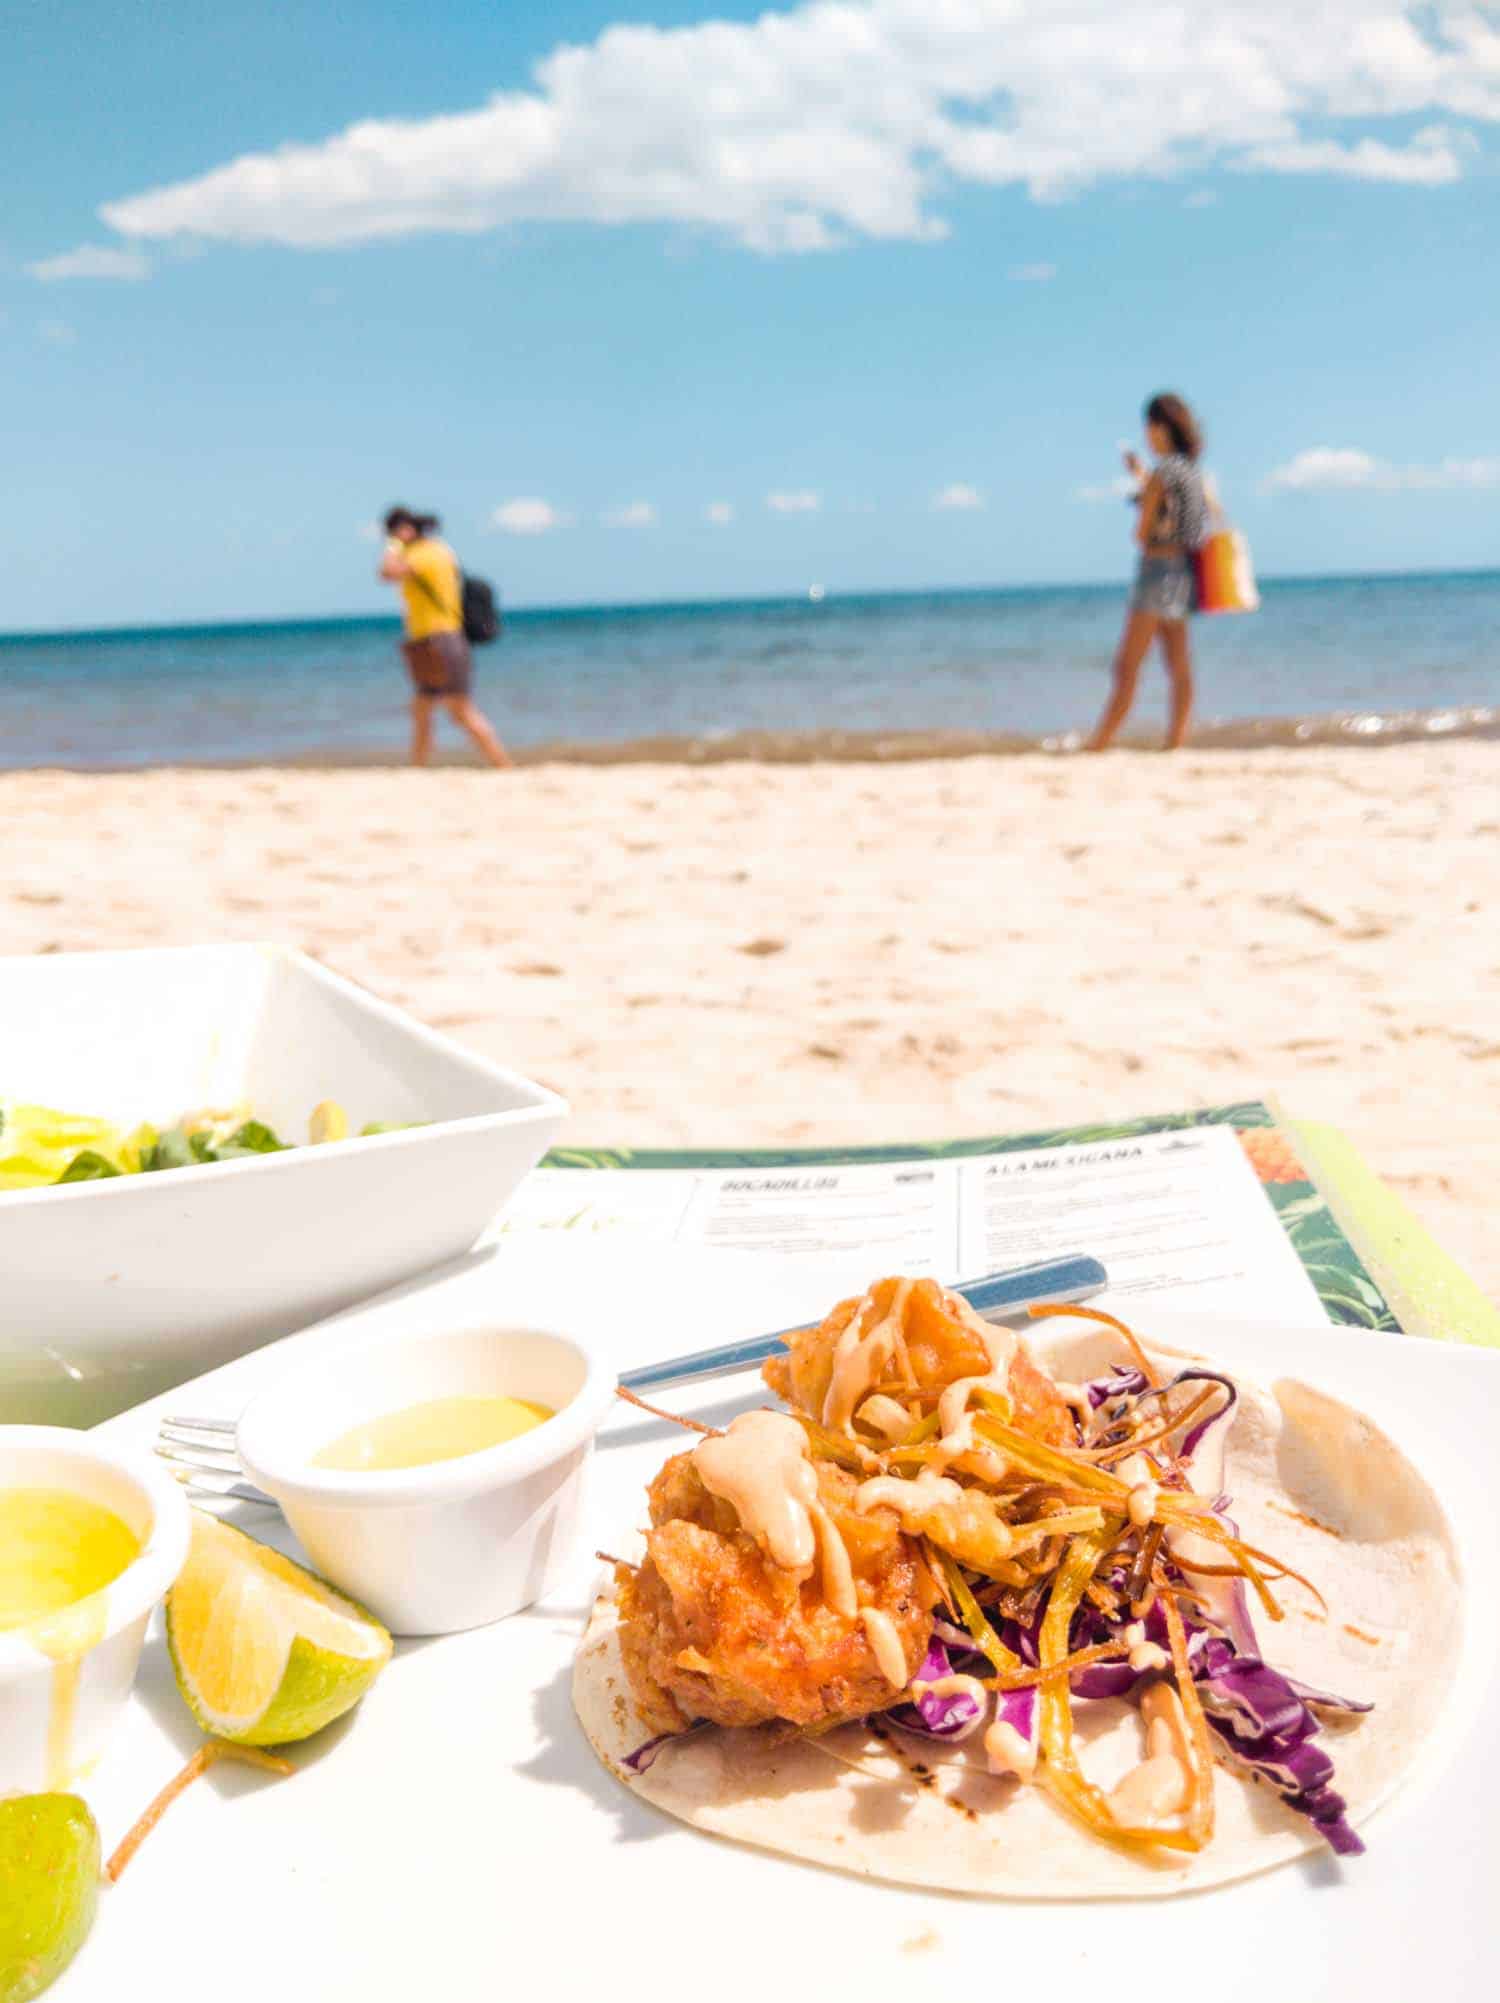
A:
(710, 1628)
(940, 1347)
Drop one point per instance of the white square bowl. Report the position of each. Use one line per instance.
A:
(112, 1291)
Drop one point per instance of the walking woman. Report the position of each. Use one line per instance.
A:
(1171, 521)
(436, 652)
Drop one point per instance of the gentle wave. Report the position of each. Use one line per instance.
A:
(1365, 729)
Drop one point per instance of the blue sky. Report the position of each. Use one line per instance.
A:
(815, 269)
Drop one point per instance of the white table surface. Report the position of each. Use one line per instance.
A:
(456, 1838)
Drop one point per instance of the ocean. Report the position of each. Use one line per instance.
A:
(1364, 659)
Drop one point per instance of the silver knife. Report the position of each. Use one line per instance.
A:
(998, 1297)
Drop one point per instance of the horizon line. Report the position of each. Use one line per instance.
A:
(792, 597)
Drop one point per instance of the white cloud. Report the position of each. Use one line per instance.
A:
(1429, 161)
(800, 501)
(1324, 468)
(720, 513)
(1331, 469)
(634, 515)
(1118, 489)
(832, 120)
(527, 516)
(1033, 274)
(93, 260)
(57, 333)
(959, 495)
(1455, 473)
(1201, 198)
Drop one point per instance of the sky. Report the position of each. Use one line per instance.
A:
(673, 300)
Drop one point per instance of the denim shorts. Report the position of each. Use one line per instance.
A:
(1163, 587)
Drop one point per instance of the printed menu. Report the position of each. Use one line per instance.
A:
(1199, 1210)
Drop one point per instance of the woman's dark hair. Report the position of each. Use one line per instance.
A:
(1174, 417)
(400, 518)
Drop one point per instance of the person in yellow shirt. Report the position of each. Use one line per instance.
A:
(437, 654)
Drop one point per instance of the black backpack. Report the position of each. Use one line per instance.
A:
(479, 607)
(482, 622)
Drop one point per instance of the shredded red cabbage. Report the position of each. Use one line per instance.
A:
(1196, 1435)
(645, 1755)
(1266, 1727)
(931, 1716)
(1018, 1709)
(1124, 1381)
(1324, 1700)
(1265, 1721)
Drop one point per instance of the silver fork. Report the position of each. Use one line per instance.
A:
(202, 1456)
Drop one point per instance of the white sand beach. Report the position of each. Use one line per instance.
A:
(760, 954)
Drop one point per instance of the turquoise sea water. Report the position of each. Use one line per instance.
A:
(787, 675)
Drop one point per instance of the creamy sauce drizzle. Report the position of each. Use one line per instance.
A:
(1139, 1473)
(956, 1685)
(1157, 1789)
(761, 1468)
(955, 1419)
(1007, 1752)
(1141, 1503)
(838, 1573)
(1144, 1655)
(860, 1357)
(885, 1645)
(914, 1501)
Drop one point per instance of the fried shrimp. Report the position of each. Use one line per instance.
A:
(929, 1536)
(713, 1628)
(923, 1339)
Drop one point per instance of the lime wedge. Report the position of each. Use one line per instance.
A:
(265, 1653)
(49, 1869)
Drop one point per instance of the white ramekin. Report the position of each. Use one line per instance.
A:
(41, 1745)
(457, 1543)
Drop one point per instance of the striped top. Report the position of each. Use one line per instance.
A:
(1182, 510)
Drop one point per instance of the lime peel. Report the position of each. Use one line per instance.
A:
(49, 1868)
(264, 1652)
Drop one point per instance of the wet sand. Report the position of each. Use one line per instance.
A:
(1371, 730)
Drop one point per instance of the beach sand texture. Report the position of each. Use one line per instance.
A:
(763, 954)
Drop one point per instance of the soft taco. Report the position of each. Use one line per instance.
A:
(1058, 1618)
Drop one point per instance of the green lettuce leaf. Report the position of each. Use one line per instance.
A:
(88, 1165)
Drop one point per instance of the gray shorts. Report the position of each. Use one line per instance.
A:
(440, 665)
(1163, 587)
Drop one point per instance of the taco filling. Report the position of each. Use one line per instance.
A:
(937, 1539)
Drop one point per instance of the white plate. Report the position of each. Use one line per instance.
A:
(457, 1839)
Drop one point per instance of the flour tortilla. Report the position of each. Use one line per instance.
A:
(1311, 1480)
